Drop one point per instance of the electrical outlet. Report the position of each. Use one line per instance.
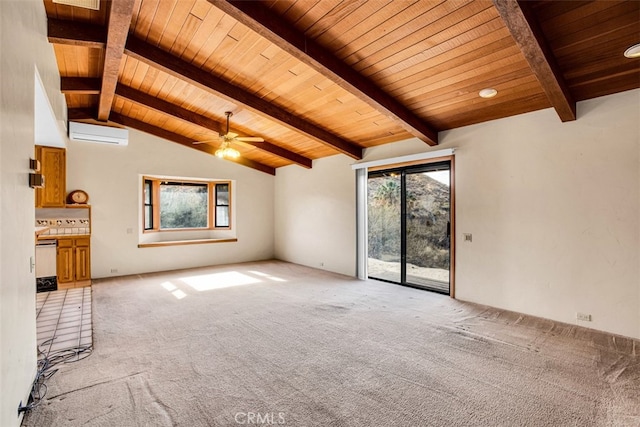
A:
(467, 237)
(114, 270)
(583, 317)
(322, 264)
(129, 230)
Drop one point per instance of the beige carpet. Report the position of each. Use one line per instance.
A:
(273, 343)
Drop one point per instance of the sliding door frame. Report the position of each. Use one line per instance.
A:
(452, 213)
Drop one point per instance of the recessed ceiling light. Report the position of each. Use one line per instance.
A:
(488, 93)
(633, 51)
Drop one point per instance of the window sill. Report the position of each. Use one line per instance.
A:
(185, 242)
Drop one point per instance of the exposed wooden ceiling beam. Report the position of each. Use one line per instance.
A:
(85, 113)
(80, 85)
(166, 107)
(120, 15)
(176, 111)
(76, 33)
(276, 150)
(183, 70)
(259, 18)
(528, 36)
(75, 114)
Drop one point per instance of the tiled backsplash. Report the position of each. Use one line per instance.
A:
(63, 221)
(59, 226)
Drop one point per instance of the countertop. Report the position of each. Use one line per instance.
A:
(61, 236)
(40, 230)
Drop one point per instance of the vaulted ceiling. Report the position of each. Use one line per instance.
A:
(314, 78)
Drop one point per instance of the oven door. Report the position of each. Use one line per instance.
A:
(46, 273)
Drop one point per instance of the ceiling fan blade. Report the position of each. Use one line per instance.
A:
(230, 135)
(205, 138)
(250, 139)
(206, 141)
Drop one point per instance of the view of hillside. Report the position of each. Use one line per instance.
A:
(427, 216)
(183, 206)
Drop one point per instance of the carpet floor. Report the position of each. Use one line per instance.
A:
(272, 343)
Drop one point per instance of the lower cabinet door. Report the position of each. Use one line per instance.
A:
(83, 263)
(65, 264)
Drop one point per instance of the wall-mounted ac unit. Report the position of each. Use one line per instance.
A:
(86, 132)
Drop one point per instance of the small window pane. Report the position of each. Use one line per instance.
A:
(222, 216)
(222, 194)
(183, 205)
(148, 217)
(147, 192)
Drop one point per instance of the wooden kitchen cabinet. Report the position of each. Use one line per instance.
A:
(65, 261)
(73, 262)
(53, 167)
(82, 261)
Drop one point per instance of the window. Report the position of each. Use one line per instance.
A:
(222, 205)
(171, 205)
(148, 206)
(183, 205)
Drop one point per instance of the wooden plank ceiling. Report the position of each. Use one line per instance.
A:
(316, 78)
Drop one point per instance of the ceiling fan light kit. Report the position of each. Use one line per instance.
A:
(226, 151)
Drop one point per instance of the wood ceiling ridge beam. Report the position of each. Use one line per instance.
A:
(120, 14)
(185, 71)
(524, 29)
(180, 139)
(181, 113)
(281, 33)
(76, 33)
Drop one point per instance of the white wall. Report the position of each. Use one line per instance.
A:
(23, 46)
(110, 175)
(554, 209)
(315, 215)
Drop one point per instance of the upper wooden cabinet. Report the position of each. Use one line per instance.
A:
(53, 168)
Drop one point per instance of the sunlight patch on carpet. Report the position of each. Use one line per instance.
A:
(208, 282)
(267, 276)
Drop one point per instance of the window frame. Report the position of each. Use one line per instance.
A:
(156, 182)
(145, 205)
(216, 205)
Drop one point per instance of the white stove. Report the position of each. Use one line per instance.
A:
(46, 269)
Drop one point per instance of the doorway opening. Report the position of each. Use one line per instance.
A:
(409, 226)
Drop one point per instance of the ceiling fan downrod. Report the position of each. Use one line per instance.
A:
(225, 150)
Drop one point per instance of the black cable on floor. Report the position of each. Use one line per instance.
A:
(47, 367)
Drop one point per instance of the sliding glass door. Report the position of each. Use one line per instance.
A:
(385, 238)
(409, 224)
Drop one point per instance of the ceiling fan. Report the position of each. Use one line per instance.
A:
(225, 149)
